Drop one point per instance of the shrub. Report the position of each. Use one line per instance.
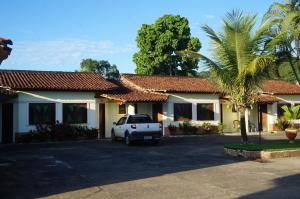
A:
(172, 128)
(282, 123)
(58, 131)
(188, 128)
(209, 128)
(221, 128)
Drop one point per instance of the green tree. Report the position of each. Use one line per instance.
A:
(238, 66)
(284, 33)
(158, 44)
(102, 67)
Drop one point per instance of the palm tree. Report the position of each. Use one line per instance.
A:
(238, 66)
(284, 32)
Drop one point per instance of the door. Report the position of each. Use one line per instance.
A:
(263, 115)
(157, 113)
(102, 120)
(7, 123)
(119, 127)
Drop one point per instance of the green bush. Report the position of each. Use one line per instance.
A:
(57, 132)
(187, 128)
(282, 123)
(172, 128)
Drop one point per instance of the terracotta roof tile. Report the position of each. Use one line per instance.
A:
(280, 87)
(171, 83)
(125, 93)
(53, 80)
(266, 99)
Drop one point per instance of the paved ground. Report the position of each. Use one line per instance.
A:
(177, 168)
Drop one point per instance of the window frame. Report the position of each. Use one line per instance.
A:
(52, 116)
(123, 112)
(211, 114)
(85, 117)
(190, 112)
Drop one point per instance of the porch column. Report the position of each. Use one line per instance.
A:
(130, 109)
(247, 120)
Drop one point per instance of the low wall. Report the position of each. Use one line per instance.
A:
(262, 154)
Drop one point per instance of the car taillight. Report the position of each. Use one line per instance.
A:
(133, 126)
(160, 125)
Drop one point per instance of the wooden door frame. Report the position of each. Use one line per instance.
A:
(159, 111)
(263, 126)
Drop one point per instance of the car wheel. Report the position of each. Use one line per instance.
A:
(127, 140)
(154, 143)
(113, 136)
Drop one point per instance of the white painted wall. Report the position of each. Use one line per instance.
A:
(21, 106)
(229, 117)
(168, 107)
(112, 113)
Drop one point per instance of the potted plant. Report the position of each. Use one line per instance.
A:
(291, 114)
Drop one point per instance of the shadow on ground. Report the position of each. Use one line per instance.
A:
(38, 170)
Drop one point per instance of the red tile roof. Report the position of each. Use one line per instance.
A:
(280, 87)
(266, 99)
(53, 80)
(125, 93)
(171, 83)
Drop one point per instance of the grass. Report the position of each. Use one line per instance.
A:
(275, 146)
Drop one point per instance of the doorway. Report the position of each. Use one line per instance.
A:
(263, 115)
(7, 123)
(157, 113)
(102, 120)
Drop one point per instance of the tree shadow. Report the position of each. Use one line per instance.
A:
(285, 187)
(39, 170)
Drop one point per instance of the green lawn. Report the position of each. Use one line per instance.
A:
(278, 145)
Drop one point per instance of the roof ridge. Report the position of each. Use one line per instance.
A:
(158, 75)
(45, 71)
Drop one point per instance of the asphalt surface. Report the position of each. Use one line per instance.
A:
(193, 167)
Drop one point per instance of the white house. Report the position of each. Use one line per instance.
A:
(31, 97)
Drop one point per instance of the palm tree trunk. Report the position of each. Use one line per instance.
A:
(293, 68)
(243, 127)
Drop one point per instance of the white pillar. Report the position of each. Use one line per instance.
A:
(59, 112)
(130, 109)
(247, 120)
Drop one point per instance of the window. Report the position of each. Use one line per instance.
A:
(140, 119)
(182, 112)
(205, 111)
(121, 121)
(122, 109)
(41, 113)
(75, 113)
(280, 111)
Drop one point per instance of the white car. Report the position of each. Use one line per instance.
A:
(139, 127)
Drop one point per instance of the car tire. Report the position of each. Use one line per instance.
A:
(113, 136)
(154, 143)
(127, 140)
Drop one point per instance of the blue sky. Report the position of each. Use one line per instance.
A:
(58, 34)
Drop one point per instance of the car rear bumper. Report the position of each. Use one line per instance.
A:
(149, 135)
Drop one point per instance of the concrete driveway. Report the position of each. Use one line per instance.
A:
(192, 167)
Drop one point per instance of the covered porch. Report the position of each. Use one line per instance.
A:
(114, 105)
(7, 115)
(261, 117)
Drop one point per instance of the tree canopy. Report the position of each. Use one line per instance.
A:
(237, 65)
(4, 49)
(102, 67)
(283, 21)
(158, 44)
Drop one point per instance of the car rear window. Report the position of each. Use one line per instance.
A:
(139, 119)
